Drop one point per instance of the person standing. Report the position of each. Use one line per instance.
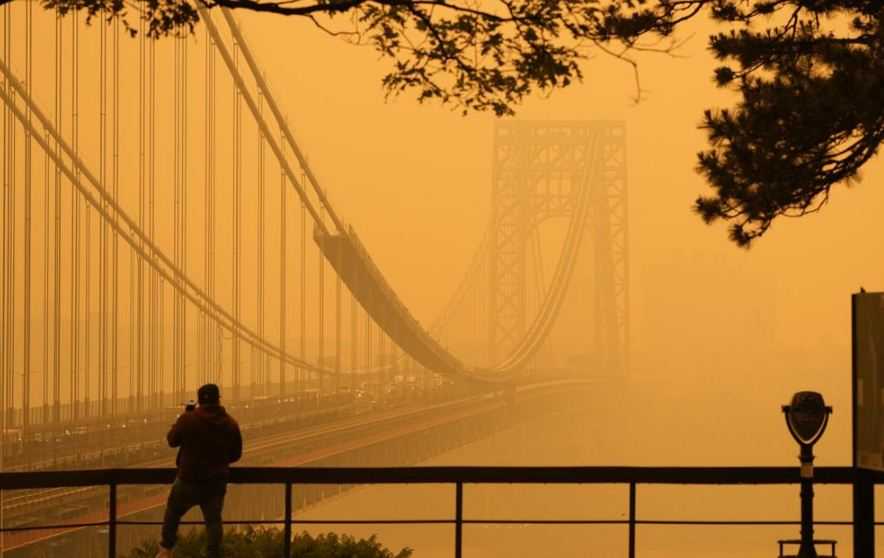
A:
(209, 440)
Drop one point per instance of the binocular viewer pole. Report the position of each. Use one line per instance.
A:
(806, 417)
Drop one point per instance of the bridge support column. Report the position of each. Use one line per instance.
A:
(458, 520)
(287, 530)
(539, 171)
(863, 515)
(510, 227)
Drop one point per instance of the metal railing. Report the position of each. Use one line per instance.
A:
(862, 481)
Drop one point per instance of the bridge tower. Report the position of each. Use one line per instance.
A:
(539, 169)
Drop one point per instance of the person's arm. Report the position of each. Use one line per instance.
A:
(176, 434)
(236, 443)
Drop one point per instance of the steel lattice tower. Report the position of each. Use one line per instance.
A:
(538, 171)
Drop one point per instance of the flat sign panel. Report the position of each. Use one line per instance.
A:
(868, 380)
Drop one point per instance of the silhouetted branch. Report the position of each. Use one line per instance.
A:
(811, 86)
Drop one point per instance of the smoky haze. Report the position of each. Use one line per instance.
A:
(726, 335)
(720, 336)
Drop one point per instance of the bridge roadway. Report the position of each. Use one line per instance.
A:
(125, 438)
(260, 438)
(300, 447)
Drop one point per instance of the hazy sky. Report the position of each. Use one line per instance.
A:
(721, 336)
(707, 317)
(415, 182)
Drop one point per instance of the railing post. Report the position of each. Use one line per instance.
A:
(112, 520)
(287, 530)
(863, 515)
(632, 520)
(458, 520)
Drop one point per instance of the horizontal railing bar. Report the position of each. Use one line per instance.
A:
(50, 527)
(648, 522)
(464, 521)
(194, 522)
(447, 475)
(734, 522)
(306, 521)
(688, 522)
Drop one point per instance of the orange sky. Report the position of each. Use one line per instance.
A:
(708, 317)
(710, 322)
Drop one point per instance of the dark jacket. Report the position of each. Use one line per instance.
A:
(209, 441)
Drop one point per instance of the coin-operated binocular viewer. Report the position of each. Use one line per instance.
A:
(807, 416)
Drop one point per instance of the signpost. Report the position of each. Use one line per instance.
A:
(867, 325)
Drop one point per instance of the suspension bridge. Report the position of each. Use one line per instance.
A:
(136, 267)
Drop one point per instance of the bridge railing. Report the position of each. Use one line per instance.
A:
(862, 481)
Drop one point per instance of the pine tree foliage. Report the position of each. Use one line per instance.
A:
(810, 74)
(811, 112)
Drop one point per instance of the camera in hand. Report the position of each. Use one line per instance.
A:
(190, 406)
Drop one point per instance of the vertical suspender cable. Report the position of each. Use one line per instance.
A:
(153, 307)
(206, 374)
(115, 298)
(8, 255)
(474, 308)
(74, 384)
(139, 314)
(204, 322)
(382, 357)
(283, 264)
(130, 399)
(181, 149)
(338, 328)
(103, 339)
(26, 356)
(354, 340)
(179, 215)
(56, 246)
(180, 169)
(87, 312)
(214, 330)
(202, 338)
(134, 387)
(4, 404)
(161, 337)
(3, 401)
(368, 364)
(303, 331)
(44, 420)
(179, 224)
(484, 304)
(87, 301)
(261, 354)
(176, 214)
(394, 360)
(237, 222)
(320, 351)
(184, 169)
